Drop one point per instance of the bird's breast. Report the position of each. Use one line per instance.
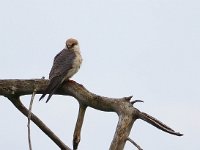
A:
(77, 60)
(75, 65)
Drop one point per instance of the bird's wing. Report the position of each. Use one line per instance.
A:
(53, 85)
(63, 62)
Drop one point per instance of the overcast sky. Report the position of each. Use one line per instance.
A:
(146, 48)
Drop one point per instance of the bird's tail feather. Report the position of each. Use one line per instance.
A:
(43, 95)
(53, 91)
(51, 88)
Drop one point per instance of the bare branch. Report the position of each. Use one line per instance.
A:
(29, 118)
(17, 103)
(122, 106)
(156, 123)
(79, 123)
(135, 144)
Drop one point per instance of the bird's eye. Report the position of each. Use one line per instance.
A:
(72, 44)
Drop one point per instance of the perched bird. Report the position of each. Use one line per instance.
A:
(65, 65)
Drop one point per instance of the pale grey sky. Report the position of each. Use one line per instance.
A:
(146, 48)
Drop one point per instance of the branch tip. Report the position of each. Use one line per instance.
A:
(135, 101)
(179, 134)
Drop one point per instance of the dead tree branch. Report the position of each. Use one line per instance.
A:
(79, 123)
(17, 103)
(122, 106)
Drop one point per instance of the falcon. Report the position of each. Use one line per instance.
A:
(66, 63)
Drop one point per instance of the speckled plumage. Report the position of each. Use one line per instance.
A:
(66, 63)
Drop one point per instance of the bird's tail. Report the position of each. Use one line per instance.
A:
(43, 95)
(52, 92)
(51, 88)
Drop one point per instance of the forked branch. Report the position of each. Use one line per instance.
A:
(122, 106)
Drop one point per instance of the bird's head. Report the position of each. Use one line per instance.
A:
(71, 43)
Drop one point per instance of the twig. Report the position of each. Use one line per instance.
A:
(17, 103)
(135, 101)
(135, 144)
(29, 118)
(79, 123)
